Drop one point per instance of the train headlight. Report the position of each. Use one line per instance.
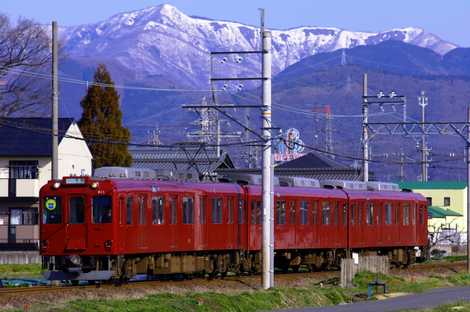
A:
(56, 185)
(94, 185)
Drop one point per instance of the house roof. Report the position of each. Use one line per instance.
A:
(439, 212)
(29, 136)
(312, 160)
(190, 157)
(433, 185)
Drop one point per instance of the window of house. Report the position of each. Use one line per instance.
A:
(52, 210)
(429, 200)
(76, 210)
(281, 212)
(370, 213)
(241, 211)
(23, 216)
(292, 212)
(102, 209)
(303, 212)
(217, 211)
(24, 169)
(142, 209)
(388, 213)
(446, 201)
(129, 210)
(188, 210)
(173, 210)
(157, 210)
(325, 212)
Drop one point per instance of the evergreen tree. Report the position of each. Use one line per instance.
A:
(101, 122)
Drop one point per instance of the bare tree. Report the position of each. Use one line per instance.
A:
(24, 56)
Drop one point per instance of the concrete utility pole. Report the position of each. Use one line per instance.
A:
(268, 192)
(55, 103)
(365, 132)
(468, 191)
(423, 102)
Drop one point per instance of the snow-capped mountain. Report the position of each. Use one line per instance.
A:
(162, 45)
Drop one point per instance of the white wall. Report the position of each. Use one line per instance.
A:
(74, 155)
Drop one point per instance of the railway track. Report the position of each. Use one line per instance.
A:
(246, 280)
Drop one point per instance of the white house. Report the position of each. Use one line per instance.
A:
(25, 165)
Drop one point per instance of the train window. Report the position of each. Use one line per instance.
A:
(230, 210)
(397, 213)
(157, 210)
(281, 212)
(202, 210)
(314, 212)
(102, 209)
(379, 214)
(360, 207)
(217, 211)
(345, 213)
(336, 213)
(129, 210)
(292, 213)
(121, 210)
(406, 213)
(421, 215)
(76, 210)
(173, 210)
(353, 213)
(370, 213)
(52, 210)
(256, 212)
(241, 212)
(388, 213)
(142, 209)
(303, 212)
(188, 210)
(325, 212)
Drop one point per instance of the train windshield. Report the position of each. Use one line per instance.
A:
(102, 209)
(52, 210)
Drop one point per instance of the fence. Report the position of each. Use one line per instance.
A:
(374, 264)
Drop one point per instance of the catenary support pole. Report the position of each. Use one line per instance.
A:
(268, 246)
(365, 132)
(55, 103)
(468, 192)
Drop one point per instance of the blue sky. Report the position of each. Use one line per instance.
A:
(447, 19)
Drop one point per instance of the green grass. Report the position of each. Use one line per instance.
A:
(455, 258)
(20, 270)
(209, 301)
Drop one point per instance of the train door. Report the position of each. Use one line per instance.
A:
(388, 227)
(327, 226)
(292, 223)
(103, 219)
(142, 222)
(231, 228)
(255, 223)
(216, 225)
(379, 224)
(159, 223)
(280, 225)
(76, 225)
(172, 208)
(186, 228)
(304, 228)
(361, 223)
(343, 224)
(316, 221)
(200, 221)
(240, 223)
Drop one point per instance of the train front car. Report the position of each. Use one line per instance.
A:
(77, 229)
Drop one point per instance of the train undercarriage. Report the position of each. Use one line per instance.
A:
(125, 267)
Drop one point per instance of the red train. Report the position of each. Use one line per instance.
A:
(115, 228)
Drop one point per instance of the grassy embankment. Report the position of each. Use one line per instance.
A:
(20, 271)
(263, 300)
